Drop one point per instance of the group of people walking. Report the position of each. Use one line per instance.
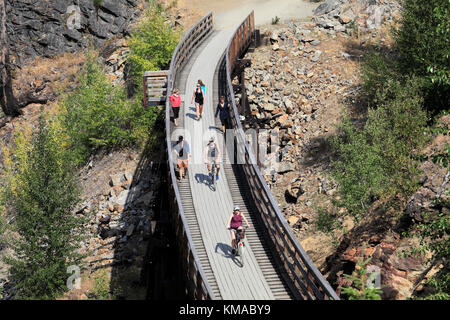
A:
(198, 96)
(181, 147)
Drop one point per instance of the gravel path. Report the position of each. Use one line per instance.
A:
(229, 13)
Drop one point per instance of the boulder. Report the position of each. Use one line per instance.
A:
(347, 16)
(145, 199)
(285, 166)
(116, 179)
(122, 198)
(293, 220)
(375, 17)
(326, 7)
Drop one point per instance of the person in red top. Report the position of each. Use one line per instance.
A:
(235, 223)
(175, 99)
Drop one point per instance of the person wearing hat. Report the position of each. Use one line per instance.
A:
(235, 223)
(183, 152)
(212, 152)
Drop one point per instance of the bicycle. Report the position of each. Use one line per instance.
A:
(239, 244)
(212, 175)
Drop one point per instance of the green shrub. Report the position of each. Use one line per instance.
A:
(434, 238)
(42, 191)
(3, 227)
(325, 221)
(151, 43)
(434, 233)
(360, 289)
(377, 69)
(376, 161)
(99, 115)
(441, 286)
(100, 291)
(423, 41)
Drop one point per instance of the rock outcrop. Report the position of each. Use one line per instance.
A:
(49, 27)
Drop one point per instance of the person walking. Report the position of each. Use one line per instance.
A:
(222, 111)
(175, 99)
(199, 100)
(183, 152)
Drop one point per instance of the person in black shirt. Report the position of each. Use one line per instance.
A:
(199, 100)
(222, 111)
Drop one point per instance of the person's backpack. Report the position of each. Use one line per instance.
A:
(181, 152)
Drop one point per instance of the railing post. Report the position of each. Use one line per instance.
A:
(199, 287)
(145, 103)
(310, 290)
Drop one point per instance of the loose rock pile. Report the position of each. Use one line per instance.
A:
(296, 87)
(120, 216)
(349, 16)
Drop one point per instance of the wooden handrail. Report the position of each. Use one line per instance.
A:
(197, 281)
(299, 267)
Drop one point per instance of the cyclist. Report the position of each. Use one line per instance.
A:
(234, 224)
(212, 152)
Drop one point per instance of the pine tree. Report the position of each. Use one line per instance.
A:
(42, 192)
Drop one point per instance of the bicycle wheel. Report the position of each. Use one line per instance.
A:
(240, 254)
(213, 175)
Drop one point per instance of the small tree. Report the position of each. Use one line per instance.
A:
(151, 43)
(360, 288)
(42, 191)
(98, 115)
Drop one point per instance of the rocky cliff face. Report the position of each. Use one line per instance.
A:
(49, 27)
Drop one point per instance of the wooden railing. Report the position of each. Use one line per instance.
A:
(197, 284)
(304, 279)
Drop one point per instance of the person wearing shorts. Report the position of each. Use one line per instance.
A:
(183, 154)
(222, 111)
(199, 100)
(235, 223)
(175, 99)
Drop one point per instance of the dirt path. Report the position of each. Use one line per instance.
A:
(228, 13)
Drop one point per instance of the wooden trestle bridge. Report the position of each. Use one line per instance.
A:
(276, 266)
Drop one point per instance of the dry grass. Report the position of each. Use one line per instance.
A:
(58, 72)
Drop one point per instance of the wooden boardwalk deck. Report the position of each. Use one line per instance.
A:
(207, 211)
